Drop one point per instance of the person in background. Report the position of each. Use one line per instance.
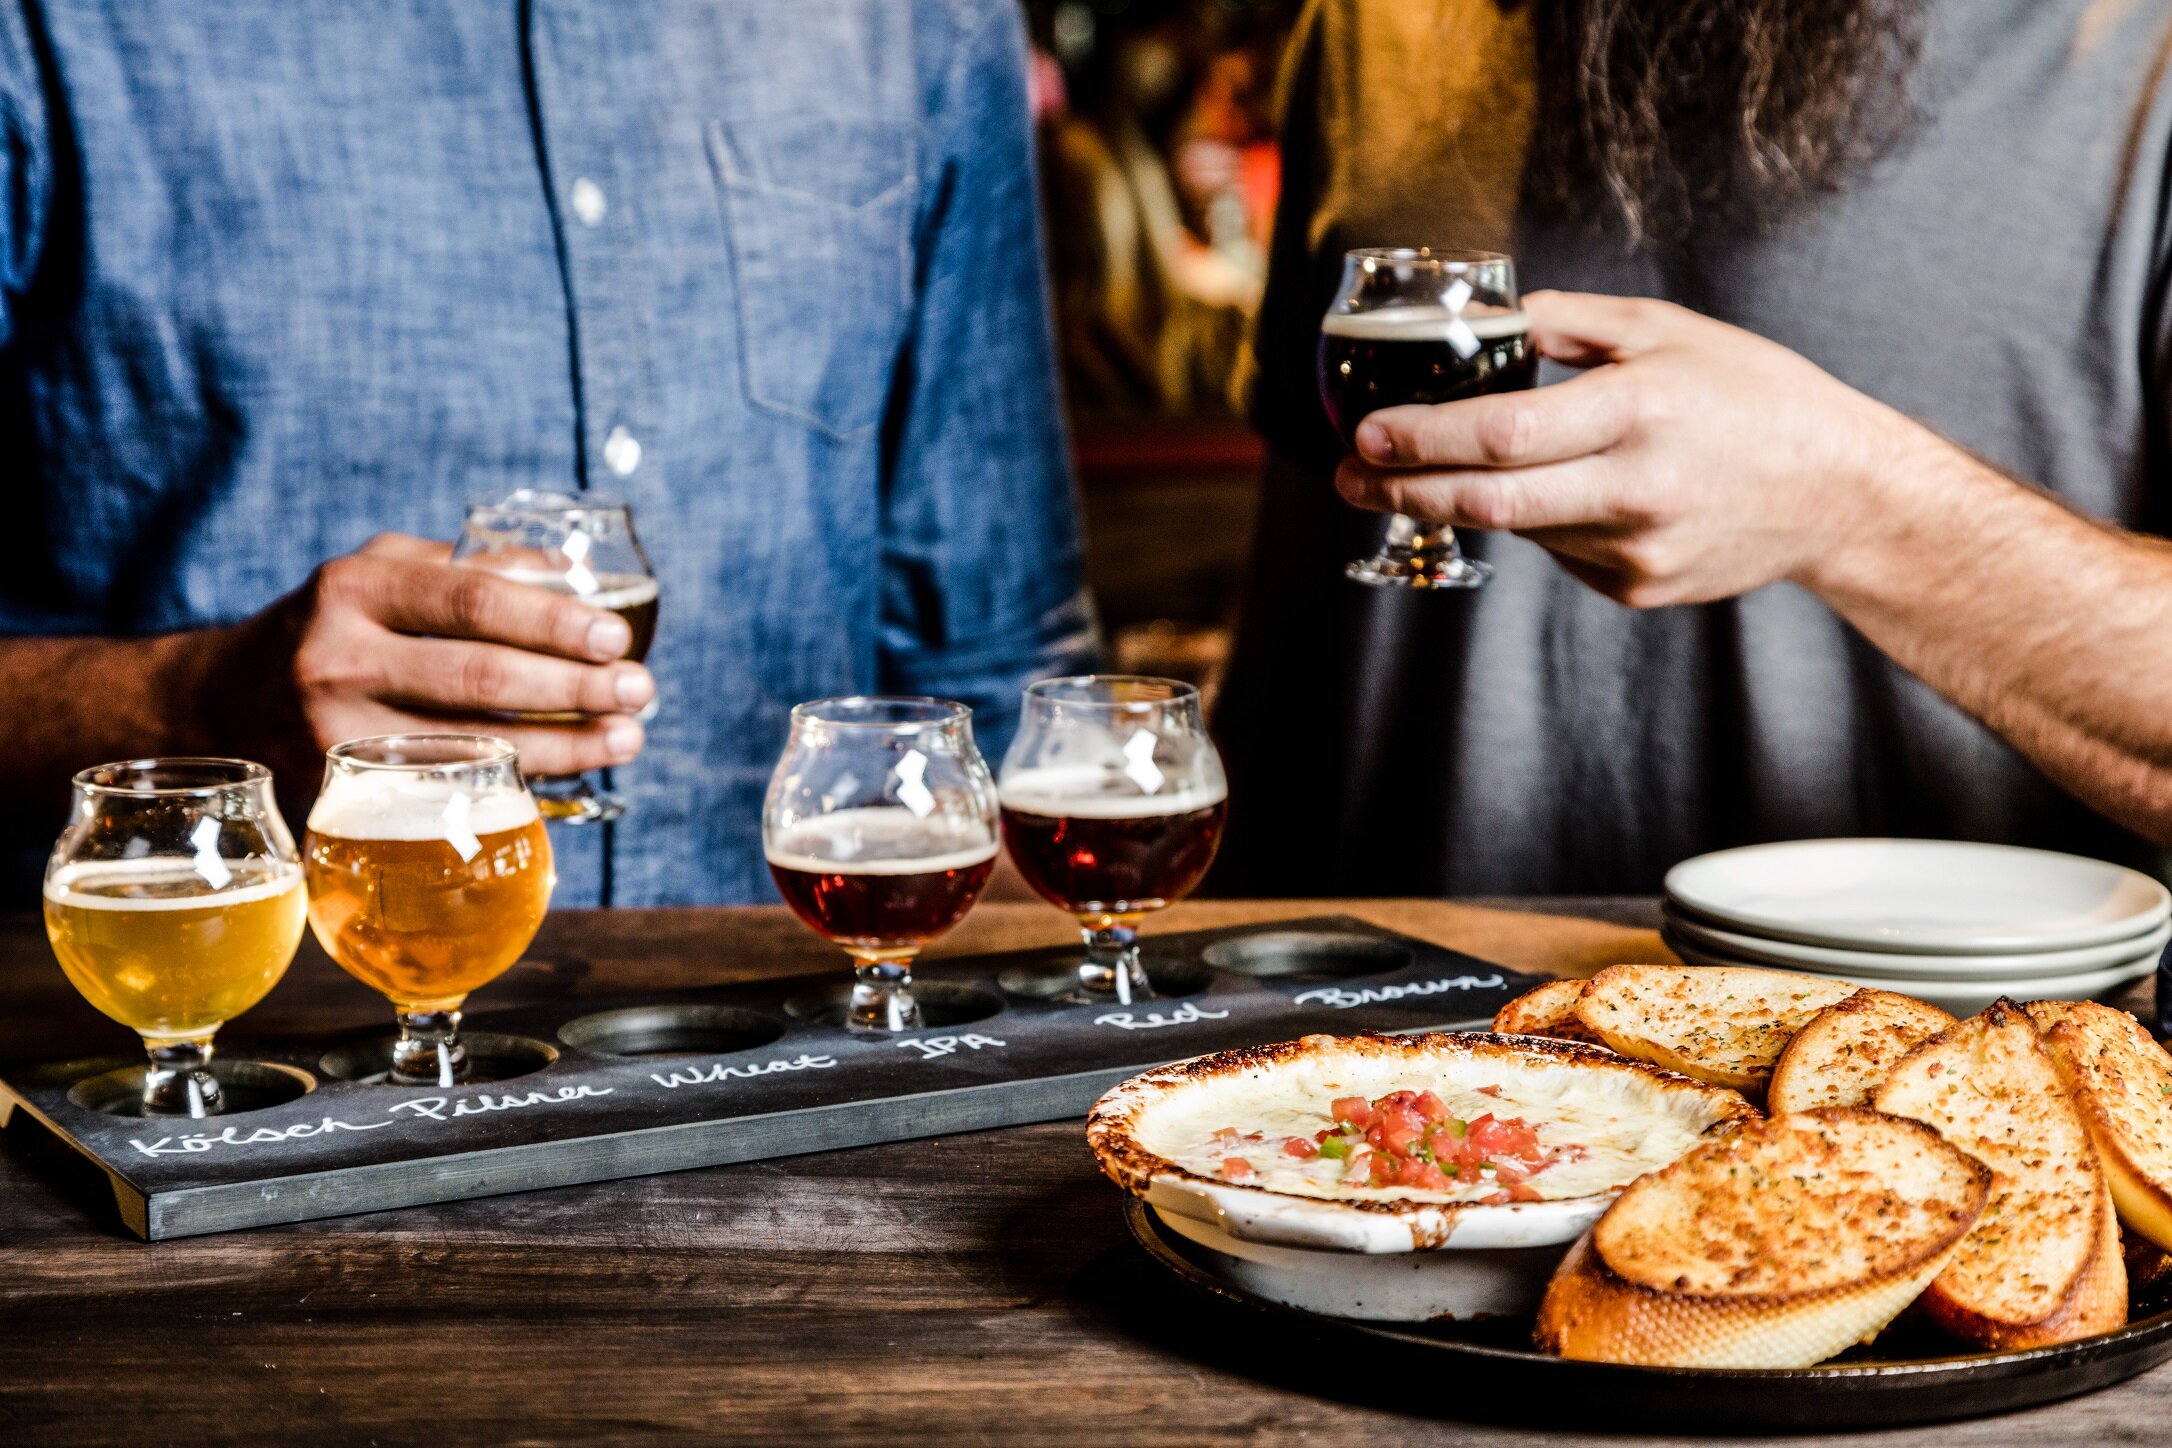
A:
(283, 285)
(1842, 528)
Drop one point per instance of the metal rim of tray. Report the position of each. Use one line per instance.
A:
(1867, 1394)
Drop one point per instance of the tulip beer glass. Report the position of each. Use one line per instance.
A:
(581, 545)
(429, 873)
(174, 902)
(880, 828)
(1113, 804)
(1411, 324)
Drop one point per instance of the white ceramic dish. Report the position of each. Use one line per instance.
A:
(1377, 1287)
(1919, 896)
(1965, 997)
(1128, 1127)
(1823, 958)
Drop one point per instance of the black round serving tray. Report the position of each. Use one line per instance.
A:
(1871, 1387)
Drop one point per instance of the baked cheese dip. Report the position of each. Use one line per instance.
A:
(1444, 1119)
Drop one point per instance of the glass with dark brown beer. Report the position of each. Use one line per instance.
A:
(880, 832)
(581, 545)
(1113, 804)
(429, 872)
(174, 901)
(1419, 325)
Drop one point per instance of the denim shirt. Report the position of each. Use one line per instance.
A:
(278, 275)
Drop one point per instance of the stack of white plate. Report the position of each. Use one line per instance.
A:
(1952, 923)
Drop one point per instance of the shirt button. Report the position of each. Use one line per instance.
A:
(588, 201)
(621, 452)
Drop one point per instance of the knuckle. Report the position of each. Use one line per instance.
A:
(469, 600)
(1505, 434)
(339, 581)
(1489, 504)
(483, 676)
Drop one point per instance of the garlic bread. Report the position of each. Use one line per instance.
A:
(1775, 1247)
(2122, 1081)
(1550, 1011)
(2043, 1265)
(1722, 1024)
(1845, 1050)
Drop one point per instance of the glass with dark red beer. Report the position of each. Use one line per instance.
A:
(880, 831)
(1412, 324)
(1113, 805)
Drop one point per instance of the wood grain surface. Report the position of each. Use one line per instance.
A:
(974, 1289)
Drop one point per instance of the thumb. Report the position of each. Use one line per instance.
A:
(1585, 329)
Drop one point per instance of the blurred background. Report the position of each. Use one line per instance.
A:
(1159, 175)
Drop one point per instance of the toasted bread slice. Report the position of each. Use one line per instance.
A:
(1548, 1011)
(1845, 1050)
(1773, 1248)
(1722, 1024)
(2122, 1081)
(2043, 1265)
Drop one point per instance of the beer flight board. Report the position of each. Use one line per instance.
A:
(598, 1089)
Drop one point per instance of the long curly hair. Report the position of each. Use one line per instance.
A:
(1685, 115)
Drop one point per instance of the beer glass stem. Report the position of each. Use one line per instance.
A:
(429, 1051)
(1414, 555)
(882, 995)
(179, 1081)
(1111, 970)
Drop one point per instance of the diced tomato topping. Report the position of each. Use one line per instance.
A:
(1300, 1148)
(1489, 1090)
(1412, 1139)
(1354, 1109)
(1431, 1107)
(1237, 1169)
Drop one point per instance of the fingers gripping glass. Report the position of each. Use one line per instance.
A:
(1416, 325)
(174, 902)
(581, 545)
(1113, 805)
(429, 872)
(880, 829)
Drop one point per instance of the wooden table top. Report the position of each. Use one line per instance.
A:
(977, 1288)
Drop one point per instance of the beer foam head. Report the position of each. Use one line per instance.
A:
(392, 804)
(172, 882)
(1425, 324)
(1085, 791)
(881, 840)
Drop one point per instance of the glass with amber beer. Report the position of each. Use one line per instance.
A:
(174, 902)
(880, 830)
(429, 872)
(580, 545)
(1113, 802)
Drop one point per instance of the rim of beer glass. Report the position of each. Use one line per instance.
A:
(1447, 258)
(1077, 691)
(452, 751)
(217, 776)
(881, 713)
(545, 503)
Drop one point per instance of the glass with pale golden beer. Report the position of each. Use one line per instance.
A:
(580, 545)
(174, 902)
(880, 830)
(1113, 803)
(429, 872)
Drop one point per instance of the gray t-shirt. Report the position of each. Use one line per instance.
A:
(2002, 277)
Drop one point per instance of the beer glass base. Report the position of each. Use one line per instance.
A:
(575, 803)
(179, 1081)
(1414, 556)
(882, 998)
(1111, 973)
(429, 1051)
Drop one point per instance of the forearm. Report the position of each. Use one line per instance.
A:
(2053, 630)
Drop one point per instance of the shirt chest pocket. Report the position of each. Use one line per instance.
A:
(818, 212)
